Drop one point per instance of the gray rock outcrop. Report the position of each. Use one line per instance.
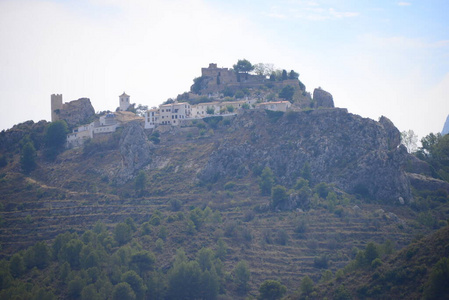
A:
(445, 127)
(323, 98)
(76, 112)
(358, 155)
(422, 182)
(135, 150)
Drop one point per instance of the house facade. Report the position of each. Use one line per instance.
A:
(79, 135)
(168, 114)
(275, 106)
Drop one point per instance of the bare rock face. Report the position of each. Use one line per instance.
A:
(135, 150)
(445, 127)
(77, 112)
(423, 182)
(323, 98)
(358, 155)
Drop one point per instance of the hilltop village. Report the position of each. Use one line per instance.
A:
(218, 92)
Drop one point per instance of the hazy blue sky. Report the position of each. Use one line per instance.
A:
(376, 57)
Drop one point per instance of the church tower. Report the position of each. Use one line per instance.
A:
(124, 101)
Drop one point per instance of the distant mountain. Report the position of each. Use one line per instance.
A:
(445, 127)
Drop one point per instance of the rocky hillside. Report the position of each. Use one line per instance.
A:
(199, 186)
(419, 271)
(359, 156)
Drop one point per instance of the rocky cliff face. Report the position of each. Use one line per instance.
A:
(135, 150)
(77, 112)
(445, 127)
(358, 155)
(323, 98)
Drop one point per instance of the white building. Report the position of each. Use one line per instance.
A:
(201, 110)
(106, 124)
(167, 114)
(79, 135)
(276, 106)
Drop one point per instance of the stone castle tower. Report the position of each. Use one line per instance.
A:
(56, 106)
(124, 102)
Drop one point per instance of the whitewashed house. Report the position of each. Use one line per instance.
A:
(168, 114)
(276, 106)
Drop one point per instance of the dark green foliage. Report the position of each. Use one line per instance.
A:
(279, 196)
(213, 122)
(273, 116)
(435, 151)
(306, 172)
(70, 253)
(437, 286)
(230, 108)
(197, 217)
(197, 84)
(123, 291)
(60, 241)
(122, 233)
(135, 282)
(282, 237)
(3, 161)
(321, 262)
(90, 293)
(371, 253)
(142, 261)
(222, 249)
(28, 157)
(341, 293)
(239, 95)
(140, 182)
(55, 138)
(243, 65)
(184, 280)
(287, 93)
(242, 276)
(284, 75)
(16, 265)
(266, 181)
(293, 75)
(210, 110)
(227, 92)
(74, 288)
(41, 255)
(306, 286)
(271, 290)
(301, 227)
(322, 189)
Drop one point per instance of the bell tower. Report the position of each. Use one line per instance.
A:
(124, 101)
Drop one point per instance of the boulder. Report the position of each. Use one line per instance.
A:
(323, 98)
(422, 182)
(76, 112)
